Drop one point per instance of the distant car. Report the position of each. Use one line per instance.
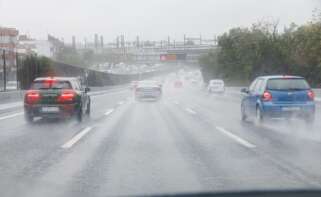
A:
(216, 86)
(56, 97)
(148, 90)
(133, 85)
(278, 97)
(178, 84)
(194, 82)
(11, 85)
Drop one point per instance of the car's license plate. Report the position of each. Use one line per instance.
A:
(50, 109)
(290, 108)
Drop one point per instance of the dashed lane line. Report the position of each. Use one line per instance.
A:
(76, 138)
(236, 138)
(189, 110)
(120, 102)
(108, 112)
(176, 102)
(11, 116)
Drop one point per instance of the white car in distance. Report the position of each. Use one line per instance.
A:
(216, 86)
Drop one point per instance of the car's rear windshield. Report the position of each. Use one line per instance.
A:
(38, 85)
(284, 84)
(217, 82)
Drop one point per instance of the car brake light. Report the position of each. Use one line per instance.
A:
(66, 96)
(32, 96)
(267, 96)
(311, 95)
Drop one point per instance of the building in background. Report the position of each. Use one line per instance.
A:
(47, 48)
(8, 43)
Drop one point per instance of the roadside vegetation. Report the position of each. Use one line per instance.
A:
(245, 53)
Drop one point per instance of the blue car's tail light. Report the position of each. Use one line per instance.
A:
(267, 96)
(311, 95)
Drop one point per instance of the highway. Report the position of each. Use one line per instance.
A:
(188, 141)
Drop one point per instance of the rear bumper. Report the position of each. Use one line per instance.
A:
(148, 94)
(64, 110)
(304, 110)
(216, 90)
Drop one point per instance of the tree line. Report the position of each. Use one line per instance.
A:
(245, 53)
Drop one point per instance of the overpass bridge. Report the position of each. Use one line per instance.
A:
(186, 54)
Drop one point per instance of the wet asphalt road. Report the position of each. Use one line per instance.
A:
(187, 142)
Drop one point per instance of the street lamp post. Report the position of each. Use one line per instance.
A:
(4, 71)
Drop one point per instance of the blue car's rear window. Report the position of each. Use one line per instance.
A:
(284, 84)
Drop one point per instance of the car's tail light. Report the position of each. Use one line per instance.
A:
(32, 96)
(267, 96)
(66, 96)
(311, 95)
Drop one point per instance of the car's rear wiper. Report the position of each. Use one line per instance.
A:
(297, 89)
(274, 89)
(289, 89)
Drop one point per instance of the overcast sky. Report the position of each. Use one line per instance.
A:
(150, 19)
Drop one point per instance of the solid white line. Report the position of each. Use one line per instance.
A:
(109, 112)
(189, 110)
(236, 138)
(11, 105)
(76, 138)
(11, 116)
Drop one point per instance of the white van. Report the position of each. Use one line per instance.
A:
(216, 86)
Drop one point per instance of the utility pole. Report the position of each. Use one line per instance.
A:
(74, 42)
(137, 41)
(184, 41)
(4, 71)
(117, 42)
(102, 41)
(168, 42)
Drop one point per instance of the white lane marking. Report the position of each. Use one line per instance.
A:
(11, 105)
(106, 93)
(176, 102)
(120, 102)
(189, 110)
(108, 112)
(76, 138)
(11, 115)
(236, 138)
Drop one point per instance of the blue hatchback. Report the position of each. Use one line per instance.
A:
(278, 97)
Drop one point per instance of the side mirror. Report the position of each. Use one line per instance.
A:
(87, 89)
(245, 90)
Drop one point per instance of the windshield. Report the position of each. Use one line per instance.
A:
(216, 82)
(287, 84)
(38, 85)
(159, 97)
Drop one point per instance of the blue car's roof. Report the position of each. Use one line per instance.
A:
(280, 76)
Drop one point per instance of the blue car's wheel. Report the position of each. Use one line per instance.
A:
(258, 116)
(243, 114)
